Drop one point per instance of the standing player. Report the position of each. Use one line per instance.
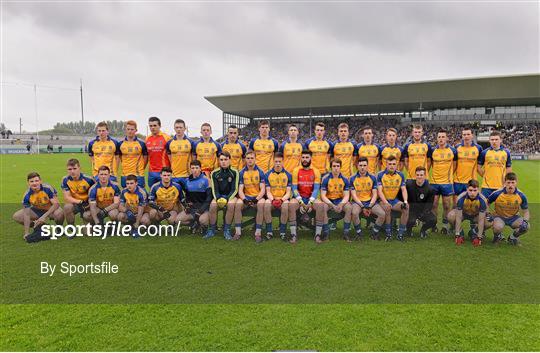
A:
(306, 184)
(468, 153)
(494, 163)
(157, 156)
(364, 197)
(133, 204)
(164, 198)
(180, 150)
(444, 159)
(251, 195)
(103, 151)
(235, 147)
(104, 197)
(471, 206)
(345, 150)
(416, 153)
(335, 196)
(39, 204)
(75, 187)
(508, 201)
(207, 150)
(389, 183)
(224, 181)
(320, 148)
(369, 150)
(420, 196)
(291, 149)
(391, 148)
(198, 197)
(133, 155)
(278, 192)
(264, 147)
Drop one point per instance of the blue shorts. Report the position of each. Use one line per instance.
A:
(305, 200)
(336, 201)
(140, 181)
(38, 211)
(443, 189)
(467, 217)
(508, 220)
(459, 188)
(179, 180)
(486, 192)
(153, 177)
(112, 178)
(363, 203)
(393, 202)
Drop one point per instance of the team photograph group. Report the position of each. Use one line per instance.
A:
(310, 184)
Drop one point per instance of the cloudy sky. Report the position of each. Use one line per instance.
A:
(141, 59)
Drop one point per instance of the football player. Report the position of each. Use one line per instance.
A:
(104, 197)
(75, 187)
(345, 150)
(278, 192)
(103, 151)
(235, 147)
(468, 153)
(335, 196)
(320, 149)
(291, 149)
(391, 148)
(198, 196)
(416, 153)
(132, 206)
(264, 147)
(164, 198)
(369, 150)
(180, 150)
(207, 150)
(155, 145)
(493, 164)
(133, 155)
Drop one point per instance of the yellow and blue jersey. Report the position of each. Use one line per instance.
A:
(132, 200)
(495, 163)
(471, 207)
(335, 187)
(292, 153)
(132, 154)
(103, 195)
(467, 162)
(442, 167)
(385, 151)
(346, 151)
(238, 152)
(180, 151)
(507, 205)
(371, 152)
(278, 182)
(391, 183)
(363, 186)
(165, 196)
(418, 155)
(78, 188)
(320, 154)
(207, 153)
(104, 153)
(264, 152)
(40, 199)
(251, 179)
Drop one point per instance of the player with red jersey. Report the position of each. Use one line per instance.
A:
(306, 183)
(157, 154)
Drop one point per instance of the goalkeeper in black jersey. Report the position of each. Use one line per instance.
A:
(198, 196)
(224, 182)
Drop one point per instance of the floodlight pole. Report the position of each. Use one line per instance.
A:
(82, 110)
(36, 114)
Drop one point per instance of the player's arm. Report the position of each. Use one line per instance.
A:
(480, 170)
(404, 194)
(215, 189)
(508, 163)
(325, 199)
(380, 192)
(269, 195)
(481, 160)
(481, 223)
(241, 194)
(70, 199)
(353, 193)
(94, 211)
(262, 186)
(235, 188)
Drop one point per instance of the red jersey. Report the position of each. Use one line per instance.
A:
(305, 180)
(157, 155)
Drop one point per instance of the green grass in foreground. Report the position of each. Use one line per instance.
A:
(275, 326)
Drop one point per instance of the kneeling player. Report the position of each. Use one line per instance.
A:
(335, 196)
(75, 187)
(104, 197)
(251, 196)
(133, 201)
(224, 182)
(198, 196)
(364, 197)
(40, 204)
(508, 201)
(389, 183)
(278, 193)
(306, 183)
(420, 195)
(471, 206)
(164, 198)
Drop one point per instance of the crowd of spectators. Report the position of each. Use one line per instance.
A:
(519, 138)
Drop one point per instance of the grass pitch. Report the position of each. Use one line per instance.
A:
(188, 294)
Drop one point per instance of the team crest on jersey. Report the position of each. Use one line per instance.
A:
(229, 179)
(422, 196)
